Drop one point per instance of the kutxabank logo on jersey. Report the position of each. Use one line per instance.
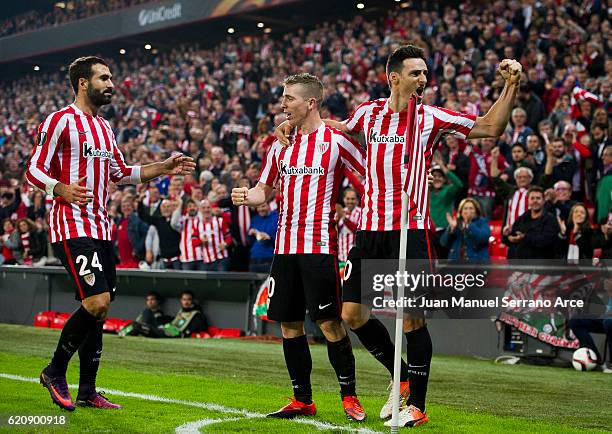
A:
(375, 137)
(300, 170)
(90, 151)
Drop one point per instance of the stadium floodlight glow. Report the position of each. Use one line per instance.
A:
(230, 30)
(36, 68)
(360, 6)
(122, 51)
(60, 5)
(267, 30)
(147, 46)
(260, 25)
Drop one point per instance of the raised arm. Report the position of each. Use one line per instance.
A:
(175, 220)
(494, 122)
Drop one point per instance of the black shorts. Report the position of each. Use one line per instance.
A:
(384, 246)
(90, 263)
(304, 281)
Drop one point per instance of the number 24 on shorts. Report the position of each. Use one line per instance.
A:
(81, 260)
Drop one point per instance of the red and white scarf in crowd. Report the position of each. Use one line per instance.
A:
(517, 205)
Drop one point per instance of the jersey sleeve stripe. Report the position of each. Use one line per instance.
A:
(38, 173)
(269, 171)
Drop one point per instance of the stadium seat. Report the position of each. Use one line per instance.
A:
(44, 319)
(216, 332)
(59, 320)
(200, 335)
(114, 325)
(498, 251)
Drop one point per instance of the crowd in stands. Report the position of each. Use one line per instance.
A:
(60, 13)
(551, 168)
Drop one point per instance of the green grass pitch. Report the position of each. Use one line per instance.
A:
(223, 386)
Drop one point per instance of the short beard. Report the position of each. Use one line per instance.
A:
(97, 97)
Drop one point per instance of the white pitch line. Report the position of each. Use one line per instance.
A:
(205, 405)
(194, 427)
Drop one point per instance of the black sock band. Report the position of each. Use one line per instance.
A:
(73, 334)
(299, 365)
(343, 361)
(375, 338)
(419, 350)
(89, 357)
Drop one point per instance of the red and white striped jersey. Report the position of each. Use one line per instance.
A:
(244, 223)
(309, 174)
(70, 145)
(387, 134)
(192, 230)
(517, 205)
(347, 227)
(216, 233)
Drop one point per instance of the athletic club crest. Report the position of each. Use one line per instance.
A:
(322, 147)
(90, 279)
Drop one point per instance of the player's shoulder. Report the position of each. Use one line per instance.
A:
(372, 104)
(57, 116)
(339, 137)
(444, 112)
(275, 147)
(104, 122)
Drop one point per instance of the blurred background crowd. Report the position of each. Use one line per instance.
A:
(543, 188)
(61, 12)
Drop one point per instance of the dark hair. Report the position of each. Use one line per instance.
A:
(29, 222)
(519, 144)
(186, 292)
(242, 178)
(81, 68)
(395, 62)
(348, 189)
(570, 218)
(557, 139)
(154, 294)
(535, 188)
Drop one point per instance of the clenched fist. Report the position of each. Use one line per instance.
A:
(510, 71)
(239, 195)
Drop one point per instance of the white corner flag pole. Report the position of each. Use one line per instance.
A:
(399, 315)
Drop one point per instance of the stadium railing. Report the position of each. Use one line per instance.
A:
(227, 297)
